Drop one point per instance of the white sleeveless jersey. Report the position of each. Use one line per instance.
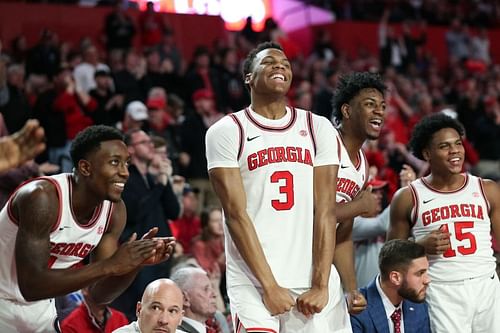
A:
(464, 213)
(352, 177)
(276, 160)
(70, 241)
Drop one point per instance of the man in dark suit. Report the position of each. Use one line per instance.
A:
(396, 297)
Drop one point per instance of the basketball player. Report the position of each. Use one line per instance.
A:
(51, 224)
(274, 169)
(452, 214)
(358, 110)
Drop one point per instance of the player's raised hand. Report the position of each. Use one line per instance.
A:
(356, 302)
(436, 242)
(370, 202)
(22, 146)
(164, 247)
(131, 255)
(312, 301)
(278, 300)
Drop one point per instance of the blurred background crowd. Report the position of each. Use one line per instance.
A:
(136, 77)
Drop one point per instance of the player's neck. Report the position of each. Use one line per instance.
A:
(445, 182)
(351, 143)
(273, 110)
(82, 204)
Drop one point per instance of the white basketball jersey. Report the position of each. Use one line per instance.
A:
(70, 241)
(276, 160)
(352, 177)
(463, 213)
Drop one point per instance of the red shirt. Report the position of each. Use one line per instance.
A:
(80, 320)
(185, 229)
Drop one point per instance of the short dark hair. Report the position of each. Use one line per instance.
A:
(247, 64)
(425, 129)
(128, 135)
(89, 140)
(350, 85)
(397, 255)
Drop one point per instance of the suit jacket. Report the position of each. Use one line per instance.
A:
(185, 327)
(374, 320)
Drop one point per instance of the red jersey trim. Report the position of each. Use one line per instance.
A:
(10, 213)
(416, 207)
(339, 148)
(239, 327)
(108, 217)
(367, 171)
(426, 184)
(360, 155)
(263, 127)
(242, 135)
(483, 193)
(311, 130)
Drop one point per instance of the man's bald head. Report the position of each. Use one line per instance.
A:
(160, 306)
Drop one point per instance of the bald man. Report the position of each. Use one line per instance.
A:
(160, 309)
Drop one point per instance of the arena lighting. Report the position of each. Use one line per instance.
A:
(233, 12)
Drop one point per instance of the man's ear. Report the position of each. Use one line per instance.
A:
(396, 278)
(84, 168)
(138, 308)
(345, 109)
(186, 303)
(426, 154)
(248, 78)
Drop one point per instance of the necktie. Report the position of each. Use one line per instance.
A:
(211, 325)
(396, 319)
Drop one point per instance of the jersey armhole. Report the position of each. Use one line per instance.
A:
(414, 212)
(241, 134)
(310, 126)
(483, 193)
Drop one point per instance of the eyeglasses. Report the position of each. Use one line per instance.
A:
(142, 142)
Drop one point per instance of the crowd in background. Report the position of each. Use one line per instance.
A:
(175, 100)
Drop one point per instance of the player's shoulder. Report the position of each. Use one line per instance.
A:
(228, 122)
(43, 186)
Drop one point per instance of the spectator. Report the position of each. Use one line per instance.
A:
(136, 115)
(91, 317)
(192, 158)
(109, 105)
(84, 73)
(150, 201)
(396, 297)
(15, 108)
(152, 26)
(188, 226)
(119, 28)
(208, 250)
(199, 299)
(160, 309)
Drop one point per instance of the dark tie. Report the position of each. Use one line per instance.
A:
(396, 319)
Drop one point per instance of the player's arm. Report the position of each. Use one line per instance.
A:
(228, 185)
(492, 192)
(364, 204)
(107, 289)
(344, 262)
(325, 183)
(401, 206)
(36, 208)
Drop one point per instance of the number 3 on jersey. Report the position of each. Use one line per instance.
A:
(461, 235)
(286, 179)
